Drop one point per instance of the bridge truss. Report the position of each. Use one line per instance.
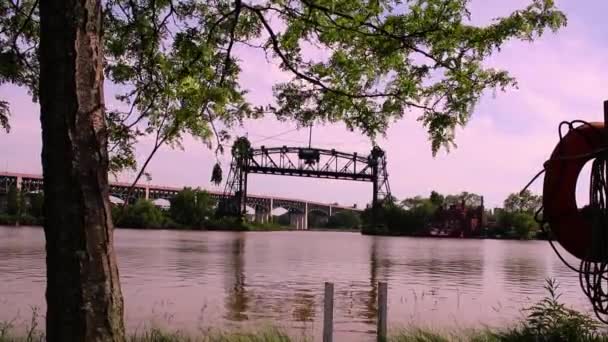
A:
(302, 162)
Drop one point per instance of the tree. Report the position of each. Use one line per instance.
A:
(191, 207)
(22, 202)
(37, 205)
(524, 201)
(437, 199)
(411, 217)
(84, 300)
(142, 214)
(12, 201)
(470, 199)
(413, 202)
(344, 219)
(175, 59)
(516, 224)
(283, 219)
(518, 215)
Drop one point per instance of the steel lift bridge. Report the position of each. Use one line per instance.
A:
(300, 162)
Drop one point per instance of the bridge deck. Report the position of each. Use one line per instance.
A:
(160, 188)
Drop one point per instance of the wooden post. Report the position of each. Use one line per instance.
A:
(382, 311)
(328, 313)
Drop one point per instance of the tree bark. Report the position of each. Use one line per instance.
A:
(84, 301)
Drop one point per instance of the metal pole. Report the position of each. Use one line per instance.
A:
(382, 310)
(328, 313)
(245, 193)
(310, 136)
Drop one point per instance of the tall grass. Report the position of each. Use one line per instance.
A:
(514, 335)
(31, 333)
(546, 321)
(160, 335)
(265, 335)
(428, 335)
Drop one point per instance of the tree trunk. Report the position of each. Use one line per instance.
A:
(84, 301)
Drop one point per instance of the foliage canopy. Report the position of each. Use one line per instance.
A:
(175, 64)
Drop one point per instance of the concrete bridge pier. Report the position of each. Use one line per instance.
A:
(294, 220)
(261, 214)
(298, 221)
(305, 223)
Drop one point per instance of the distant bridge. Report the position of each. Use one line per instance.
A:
(263, 205)
(302, 162)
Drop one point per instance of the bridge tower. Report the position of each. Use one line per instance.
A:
(234, 201)
(381, 188)
(301, 162)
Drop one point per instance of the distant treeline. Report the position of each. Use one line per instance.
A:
(195, 209)
(189, 209)
(20, 208)
(418, 216)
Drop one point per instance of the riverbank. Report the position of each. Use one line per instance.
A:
(232, 225)
(383, 231)
(23, 220)
(211, 225)
(336, 230)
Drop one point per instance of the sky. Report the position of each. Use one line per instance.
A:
(560, 77)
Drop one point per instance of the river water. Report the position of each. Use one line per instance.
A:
(195, 280)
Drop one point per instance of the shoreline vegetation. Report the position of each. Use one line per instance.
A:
(547, 320)
(461, 215)
(190, 209)
(458, 216)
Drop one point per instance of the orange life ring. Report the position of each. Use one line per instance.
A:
(571, 228)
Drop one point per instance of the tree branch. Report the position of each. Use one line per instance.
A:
(28, 18)
(157, 144)
(237, 12)
(404, 39)
(312, 80)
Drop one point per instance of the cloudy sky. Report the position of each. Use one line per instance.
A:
(562, 76)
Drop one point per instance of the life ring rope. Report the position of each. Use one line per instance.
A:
(560, 217)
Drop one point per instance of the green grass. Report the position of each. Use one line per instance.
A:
(429, 335)
(264, 335)
(263, 227)
(277, 335)
(508, 335)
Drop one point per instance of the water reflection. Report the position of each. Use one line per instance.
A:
(189, 262)
(237, 297)
(370, 311)
(215, 279)
(304, 306)
(447, 264)
(523, 269)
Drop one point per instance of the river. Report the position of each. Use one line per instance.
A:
(194, 280)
